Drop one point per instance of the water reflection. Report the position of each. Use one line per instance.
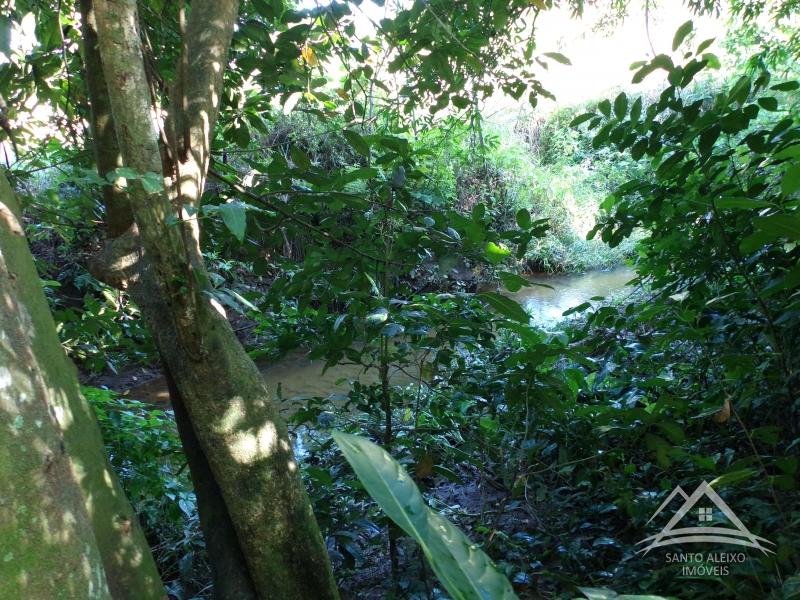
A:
(547, 305)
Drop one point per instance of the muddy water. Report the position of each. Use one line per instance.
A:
(295, 376)
(547, 304)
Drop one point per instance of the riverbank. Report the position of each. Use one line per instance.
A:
(294, 377)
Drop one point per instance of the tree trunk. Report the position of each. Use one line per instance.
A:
(66, 529)
(238, 430)
(229, 569)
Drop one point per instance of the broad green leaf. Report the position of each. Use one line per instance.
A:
(121, 172)
(708, 138)
(681, 34)
(152, 182)
(505, 306)
(741, 90)
(496, 254)
(356, 141)
(379, 315)
(463, 568)
(392, 330)
(300, 158)
(636, 110)
(779, 226)
(621, 105)
(235, 218)
(5, 36)
(398, 177)
(576, 309)
(581, 119)
(768, 103)
(512, 281)
(606, 594)
(524, 218)
(786, 86)
(478, 212)
(558, 57)
(791, 180)
(712, 60)
(737, 202)
(660, 447)
(704, 45)
(355, 175)
(787, 464)
(733, 478)
(598, 593)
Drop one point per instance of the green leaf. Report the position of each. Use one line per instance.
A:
(235, 218)
(606, 594)
(392, 330)
(741, 90)
(708, 138)
(506, 306)
(398, 177)
(681, 34)
(733, 478)
(478, 212)
(636, 110)
(463, 568)
(581, 119)
(768, 103)
(513, 282)
(576, 309)
(495, 254)
(300, 158)
(121, 172)
(621, 105)
(355, 175)
(598, 593)
(712, 60)
(779, 226)
(524, 218)
(379, 315)
(460, 102)
(791, 180)
(660, 448)
(786, 86)
(356, 141)
(558, 57)
(704, 45)
(736, 202)
(152, 182)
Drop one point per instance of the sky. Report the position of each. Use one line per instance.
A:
(601, 60)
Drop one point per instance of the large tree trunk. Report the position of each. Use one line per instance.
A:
(229, 570)
(66, 528)
(238, 430)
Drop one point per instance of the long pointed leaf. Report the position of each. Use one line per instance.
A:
(464, 569)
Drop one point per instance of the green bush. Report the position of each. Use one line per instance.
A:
(145, 451)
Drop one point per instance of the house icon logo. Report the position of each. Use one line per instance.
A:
(738, 535)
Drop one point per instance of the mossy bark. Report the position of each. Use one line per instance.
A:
(118, 211)
(239, 432)
(66, 528)
(229, 570)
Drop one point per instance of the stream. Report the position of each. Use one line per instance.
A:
(296, 377)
